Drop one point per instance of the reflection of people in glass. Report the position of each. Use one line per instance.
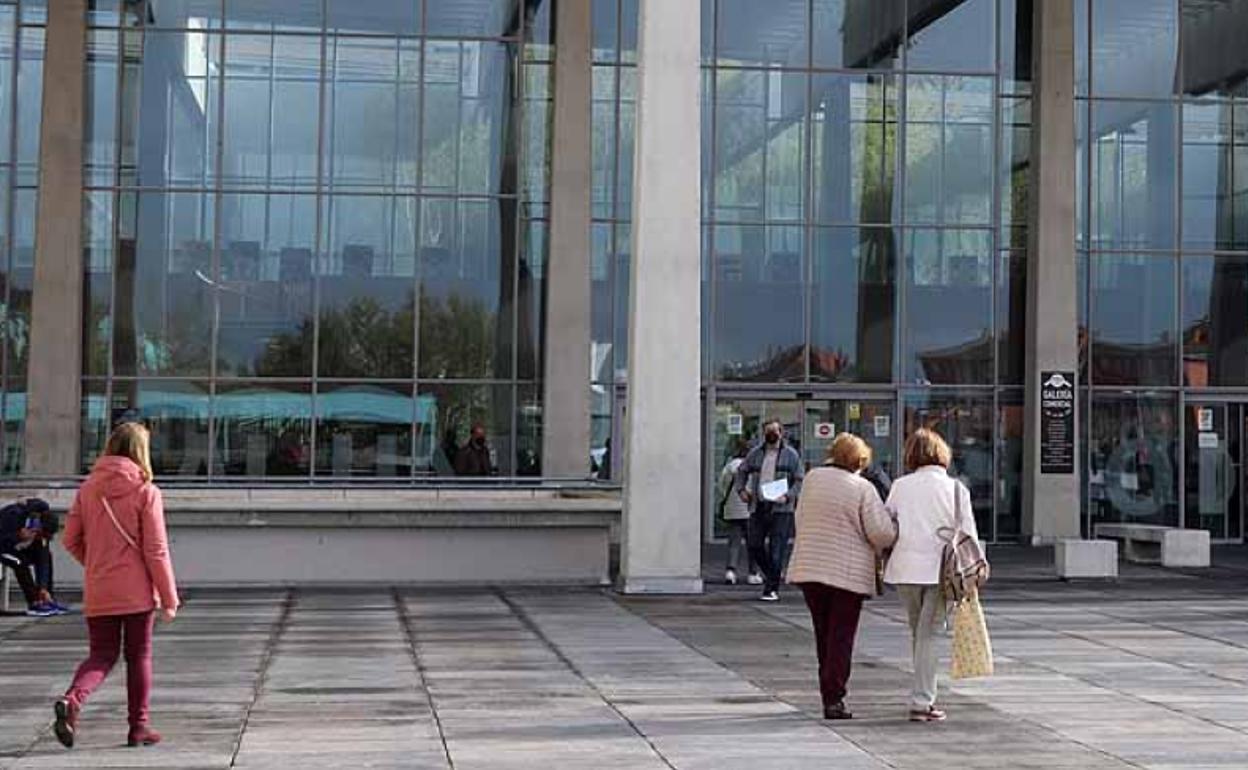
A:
(475, 458)
(289, 457)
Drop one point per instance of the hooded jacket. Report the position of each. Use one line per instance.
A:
(121, 579)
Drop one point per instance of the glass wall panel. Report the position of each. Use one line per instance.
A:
(856, 35)
(1213, 59)
(184, 14)
(469, 86)
(271, 111)
(263, 429)
(965, 420)
(1134, 319)
(1014, 170)
(21, 280)
(853, 304)
(367, 297)
(364, 430)
(760, 299)
(1215, 321)
(14, 426)
(1134, 465)
(1215, 176)
(164, 286)
(947, 337)
(95, 422)
(959, 39)
(760, 146)
(175, 114)
(446, 415)
(99, 241)
(853, 125)
(1010, 422)
(1134, 173)
(372, 110)
(1015, 42)
(605, 113)
(530, 299)
(1135, 48)
(772, 34)
(373, 17)
(466, 288)
(1011, 318)
(949, 149)
(529, 431)
(265, 290)
(488, 18)
(176, 413)
(275, 15)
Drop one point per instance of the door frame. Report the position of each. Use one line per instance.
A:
(1236, 404)
(797, 393)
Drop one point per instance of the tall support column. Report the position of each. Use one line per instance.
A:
(661, 550)
(1051, 499)
(566, 407)
(54, 408)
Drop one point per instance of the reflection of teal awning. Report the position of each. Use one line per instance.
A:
(362, 405)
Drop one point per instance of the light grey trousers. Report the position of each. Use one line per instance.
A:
(926, 612)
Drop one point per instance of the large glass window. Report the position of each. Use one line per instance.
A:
(301, 214)
(1134, 319)
(1134, 474)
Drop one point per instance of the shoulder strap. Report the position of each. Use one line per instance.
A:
(120, 529)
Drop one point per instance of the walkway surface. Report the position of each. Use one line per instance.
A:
(1151, 671)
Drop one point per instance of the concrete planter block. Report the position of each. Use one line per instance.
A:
(1185, 548)
(1078, 559)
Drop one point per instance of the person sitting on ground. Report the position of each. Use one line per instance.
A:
(26, 532)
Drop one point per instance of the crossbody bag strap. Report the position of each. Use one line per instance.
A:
(120, 529)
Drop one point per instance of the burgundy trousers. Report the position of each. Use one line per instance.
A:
(835, 614)
(108, 635)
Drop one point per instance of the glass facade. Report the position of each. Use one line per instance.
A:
(1163, 147)
(22, 37)
(316, 234)
(865, 214)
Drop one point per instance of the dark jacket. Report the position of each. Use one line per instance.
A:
(788, 466)
(879, 479)
(473, 461)
(12, 519)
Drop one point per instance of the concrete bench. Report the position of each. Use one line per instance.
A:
(1167, 546)
(1086, 559)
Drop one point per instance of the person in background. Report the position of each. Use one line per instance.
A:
(26, 532)
(879, 479)
(475, 457)
(736, 516)
(771, 521)
(923, 502)
(842, 528)
(116, 529)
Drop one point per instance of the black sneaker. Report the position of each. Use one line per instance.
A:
(66, 722)
(837, 711)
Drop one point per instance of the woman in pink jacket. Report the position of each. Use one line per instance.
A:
(116, 529)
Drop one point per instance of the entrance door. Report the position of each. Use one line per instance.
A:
(809, 424)
(1214, 468)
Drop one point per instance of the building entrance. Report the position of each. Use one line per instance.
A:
(1214, 468)
(811, 421)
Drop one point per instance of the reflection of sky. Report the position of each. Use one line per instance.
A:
(362, 405)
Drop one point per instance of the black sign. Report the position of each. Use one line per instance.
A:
(1057, 422)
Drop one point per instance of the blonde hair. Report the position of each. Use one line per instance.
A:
(134, 442)
(849, 453)
(926, 447)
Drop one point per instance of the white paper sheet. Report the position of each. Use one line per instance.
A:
(774, 490)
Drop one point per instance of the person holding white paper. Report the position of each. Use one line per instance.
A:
(770, 480)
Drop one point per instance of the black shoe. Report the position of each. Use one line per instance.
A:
(66, 721)
(837, 711)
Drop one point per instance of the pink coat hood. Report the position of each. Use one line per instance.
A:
(124, 573)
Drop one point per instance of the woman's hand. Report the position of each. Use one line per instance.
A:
(167, 614)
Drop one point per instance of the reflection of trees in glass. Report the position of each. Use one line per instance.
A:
(457, 335)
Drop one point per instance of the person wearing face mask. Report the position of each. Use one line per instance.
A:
(769, 465)
(475, 458)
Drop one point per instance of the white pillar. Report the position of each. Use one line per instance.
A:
(54, 400)
(566, 408)
(661, 548)
(1051, 499)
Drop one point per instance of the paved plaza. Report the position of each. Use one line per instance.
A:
(1151, 672)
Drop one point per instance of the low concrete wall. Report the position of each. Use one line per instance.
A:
(337, 536)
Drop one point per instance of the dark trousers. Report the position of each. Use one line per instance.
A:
(108, 633)
(33, 568)
(769, 537)
(835, 614)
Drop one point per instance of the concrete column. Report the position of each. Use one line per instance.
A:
(53, 396)
(566, 407)
(661, 549)
(1051, 501)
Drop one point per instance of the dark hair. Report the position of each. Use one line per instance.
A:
(51, 523)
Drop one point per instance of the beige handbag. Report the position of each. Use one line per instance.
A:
(971, 652)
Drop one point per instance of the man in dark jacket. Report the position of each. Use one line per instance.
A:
(879, 479)
(772, 463)
(26, 532)
(475, 458)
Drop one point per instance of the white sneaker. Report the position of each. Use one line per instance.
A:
(769, 596)
(754, 579)
(730, 577)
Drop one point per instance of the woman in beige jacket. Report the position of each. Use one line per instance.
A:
(841, 528)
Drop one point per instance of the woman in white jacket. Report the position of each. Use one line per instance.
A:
(924, 502)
